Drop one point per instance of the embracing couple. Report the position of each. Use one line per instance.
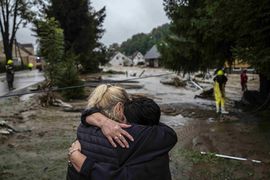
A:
(142, 151)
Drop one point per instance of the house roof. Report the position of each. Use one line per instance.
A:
(153, 53)
(119, 53)
(27, 45)
(24, 46)
(135, 54)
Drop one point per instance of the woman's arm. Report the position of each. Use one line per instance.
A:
(76, 158)
(80, 162)
(111, 129)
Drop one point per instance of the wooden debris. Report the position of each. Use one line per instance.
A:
(174, 81)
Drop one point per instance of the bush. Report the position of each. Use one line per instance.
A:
(68, 76)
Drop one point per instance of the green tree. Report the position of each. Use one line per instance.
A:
(112, 49)
(82, 27)
(143, 42)
(60, 68)
(51, 43)
(206, 33)
(67, 77)
(253, 43)
(197, 36)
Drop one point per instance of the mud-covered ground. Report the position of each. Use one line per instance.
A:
(38, 148)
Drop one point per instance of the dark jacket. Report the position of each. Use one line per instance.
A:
(146, 158)
(222, 80)
(10, 72)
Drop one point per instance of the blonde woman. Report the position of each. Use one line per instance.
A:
(95, 158)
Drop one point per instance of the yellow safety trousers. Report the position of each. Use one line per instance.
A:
(220, 100)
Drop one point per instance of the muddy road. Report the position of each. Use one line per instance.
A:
(39, 146)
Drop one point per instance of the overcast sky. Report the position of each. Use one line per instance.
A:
(128, 17)
(124, 18)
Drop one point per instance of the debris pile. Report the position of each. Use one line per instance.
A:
(174, 81)
(6, 129)
(206, 94)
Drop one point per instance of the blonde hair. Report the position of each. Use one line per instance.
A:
(105, 97)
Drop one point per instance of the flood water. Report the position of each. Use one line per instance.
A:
(22, 79)
(199, 128)
(41, 150)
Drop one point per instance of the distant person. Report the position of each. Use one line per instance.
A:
(219, 91)
(39, 64)
(10, 74)
(244, 79)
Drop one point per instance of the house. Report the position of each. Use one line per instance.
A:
(120, 59)
(22, 53)
(152, 57)
(238, 66)
(138, 59)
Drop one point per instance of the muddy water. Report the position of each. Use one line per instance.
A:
(22, 79)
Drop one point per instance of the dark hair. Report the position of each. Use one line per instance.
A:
(142, 111)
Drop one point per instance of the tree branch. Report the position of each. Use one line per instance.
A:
(6, 23)
(17, 26)
(3, 11)
(2, 29)
(14, 27)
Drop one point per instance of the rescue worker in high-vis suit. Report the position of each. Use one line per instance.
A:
(10, 74)
(219, 90)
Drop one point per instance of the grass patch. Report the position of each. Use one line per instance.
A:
(194, 165)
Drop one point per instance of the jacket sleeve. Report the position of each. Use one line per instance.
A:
(150, 142)
(87, 167)
(161, 138)
(88, 112)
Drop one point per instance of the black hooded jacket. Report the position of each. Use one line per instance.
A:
(146, 158)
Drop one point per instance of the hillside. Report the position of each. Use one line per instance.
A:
(143, 42)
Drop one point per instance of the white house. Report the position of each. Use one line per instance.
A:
(138, 58)
(120, 59)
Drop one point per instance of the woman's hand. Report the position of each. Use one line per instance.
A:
(111, 129)
(115, 134)
(75, 157)
(76, 145)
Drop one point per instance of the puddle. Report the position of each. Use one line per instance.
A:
(21, 80)
(211, 120)
(178, 120)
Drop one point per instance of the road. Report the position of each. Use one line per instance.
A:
(22, 80)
